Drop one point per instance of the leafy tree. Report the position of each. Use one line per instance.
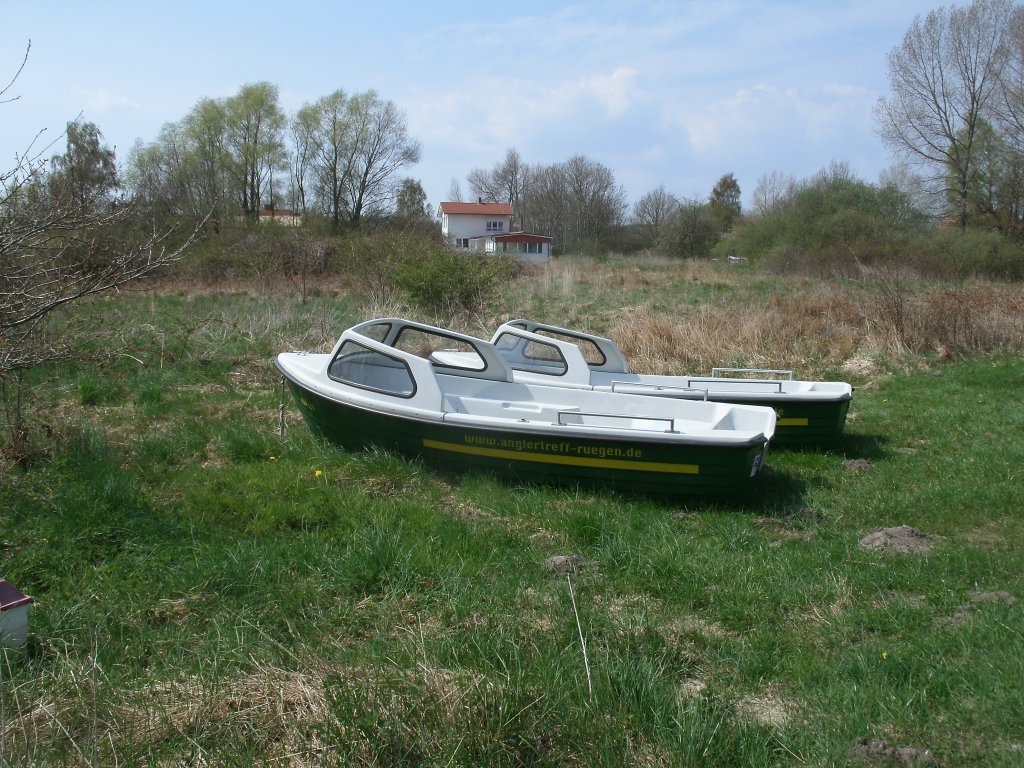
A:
(255, 127)
(832, 219)
(1008, 113)
(86, 173)
(724, 203)
(411, 202)
(205, 159)
(327, 137)
(303, 136)
(346, 153)
(996, 187)
(691, 232)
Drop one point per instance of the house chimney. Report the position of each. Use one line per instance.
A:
(479, 201)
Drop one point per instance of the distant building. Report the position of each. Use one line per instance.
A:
(460, 222)
(487, 227)
(283, 216)
(523, 245)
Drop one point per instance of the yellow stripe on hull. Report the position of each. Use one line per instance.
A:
(576, 461)
(792, 422)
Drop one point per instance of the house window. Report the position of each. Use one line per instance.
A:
(462, 242)
(495, 226)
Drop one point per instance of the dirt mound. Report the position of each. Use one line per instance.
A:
(563, 563)
(967, 610)
(856, 465)
(901, 539)
(866, 752)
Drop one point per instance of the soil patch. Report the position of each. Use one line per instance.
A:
(766, 708)
(901, 540)
(867, 752)
(964, 612)
(856, 465)
(563, 563)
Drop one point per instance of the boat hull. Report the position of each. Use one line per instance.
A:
(807, 423)
(628, 464)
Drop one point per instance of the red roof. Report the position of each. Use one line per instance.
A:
(481, 209)
(11, 596)
(522, 237)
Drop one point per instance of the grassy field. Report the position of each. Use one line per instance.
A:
(208, 594)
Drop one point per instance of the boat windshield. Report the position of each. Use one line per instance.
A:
(366, 368)
(531, 355)
(439, 348)
(591, 352)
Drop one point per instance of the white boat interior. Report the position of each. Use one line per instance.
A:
(411, 369)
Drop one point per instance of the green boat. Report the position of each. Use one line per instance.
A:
(451, 399)
(809, 412)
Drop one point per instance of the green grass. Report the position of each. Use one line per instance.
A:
(207, 592)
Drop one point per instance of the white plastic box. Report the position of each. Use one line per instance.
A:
(13, 616)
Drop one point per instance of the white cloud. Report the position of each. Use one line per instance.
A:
(749, 114)
(102, 101)
(615, 92)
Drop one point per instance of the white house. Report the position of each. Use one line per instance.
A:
(460, 222)
(487, 227)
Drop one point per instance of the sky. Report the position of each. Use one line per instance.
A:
(662, 93)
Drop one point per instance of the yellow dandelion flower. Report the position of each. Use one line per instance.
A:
(317, 473)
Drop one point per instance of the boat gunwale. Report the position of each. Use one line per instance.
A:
(541, 429)
(608, 347)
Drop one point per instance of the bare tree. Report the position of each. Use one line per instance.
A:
(596, 201)
(910, 184)
(505, 183)
(454, 191)
(772, 192)
(944, 77)
(383, 149)
(55, 251)
(652, 210)
(61, 242)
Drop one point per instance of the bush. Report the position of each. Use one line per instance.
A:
(423, 270)
(829, 228)
(441, 280)
(951, 254)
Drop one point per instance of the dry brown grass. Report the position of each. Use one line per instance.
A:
(694, 315)
(821, 327)
(270, 708)
(781, 333)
